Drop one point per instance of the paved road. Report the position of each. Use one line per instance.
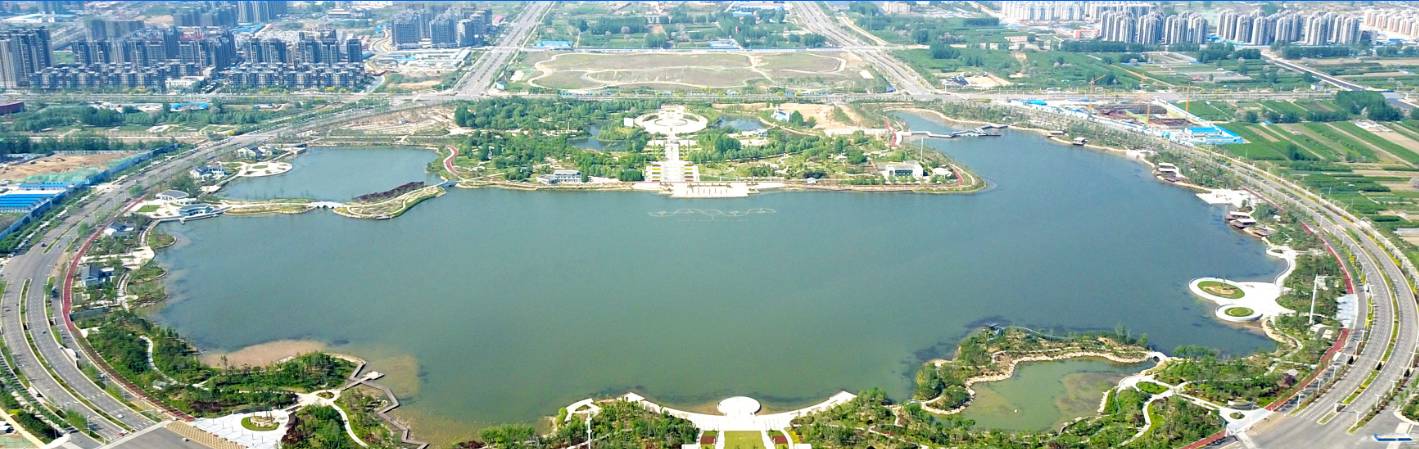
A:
(485, 70)
(1393, 304)
(109, 417)
(1326, 77)
(899, 74)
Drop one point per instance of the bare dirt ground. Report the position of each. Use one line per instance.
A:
(822, 114)
(694, 70)
(59, 163)
(263, 354)
(408, 122)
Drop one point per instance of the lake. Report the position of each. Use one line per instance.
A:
(338, 174)
(492, 306)
(1043, 395)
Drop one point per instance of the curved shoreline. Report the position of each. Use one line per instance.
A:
(1012, 361)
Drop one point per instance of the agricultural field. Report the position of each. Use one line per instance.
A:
(1183, 69)
(1380, 73)
(1369, 166)
(1359, 142)
(692, 71)
(1032, 69)
(1211, 110)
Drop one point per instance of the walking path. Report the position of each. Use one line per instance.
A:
(739, 413)
(448, 162)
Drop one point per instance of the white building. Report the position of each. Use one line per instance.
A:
(908, 169)
(565, 177)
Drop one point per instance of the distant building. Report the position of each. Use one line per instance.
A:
(252, 153)
(210, 172)
(260, 11)
(118, 229)
(23, 52)
(174, 195)
(197, 209)
(11, 107)
(908, 169)
(565, 177)
(443, 31)
(404, 32)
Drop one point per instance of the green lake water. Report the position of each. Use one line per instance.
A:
(1043, 395)
(338, 174)
(491, 306)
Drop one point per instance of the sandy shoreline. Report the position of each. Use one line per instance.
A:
(262, 354)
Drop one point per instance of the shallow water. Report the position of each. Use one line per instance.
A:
(338, 174)
(1043, 395)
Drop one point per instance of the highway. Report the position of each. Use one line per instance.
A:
(906, 80)
(1271, 57)
(484, 71)
(109, 417)
(1387, 274)
(1319, 424)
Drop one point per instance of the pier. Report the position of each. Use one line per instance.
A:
(990, 130)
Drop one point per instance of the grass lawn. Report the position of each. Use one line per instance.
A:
(1221, 289)
(1151, 388)
(148, 209)
(1239, 312)
(743, 440)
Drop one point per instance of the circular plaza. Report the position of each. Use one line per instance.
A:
(672, 120)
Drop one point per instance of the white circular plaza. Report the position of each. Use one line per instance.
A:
(672, 120)
(739, 406)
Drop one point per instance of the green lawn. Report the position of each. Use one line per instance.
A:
(1151, 387)
(743, 440)
(1239, 312)
(148, 209)
(252, 425)
(1221, 289)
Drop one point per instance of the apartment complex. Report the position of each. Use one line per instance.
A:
(447, 28)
